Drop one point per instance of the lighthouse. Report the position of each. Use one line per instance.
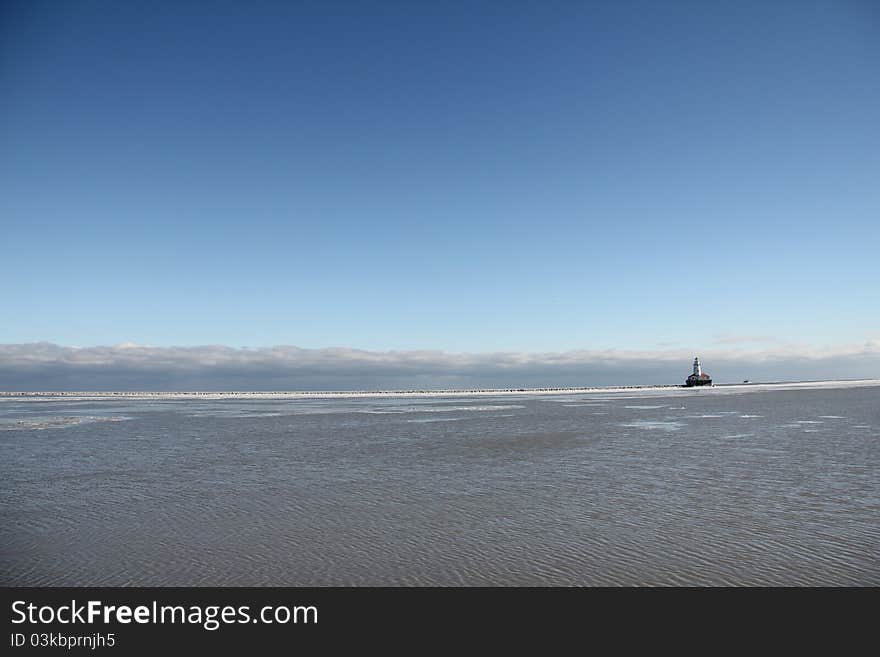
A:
(699, 377)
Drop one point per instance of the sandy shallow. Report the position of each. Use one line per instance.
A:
(761, 485)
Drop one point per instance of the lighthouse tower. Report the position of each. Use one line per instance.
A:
(699, 377)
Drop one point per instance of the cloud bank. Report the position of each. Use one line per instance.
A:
(127, 366)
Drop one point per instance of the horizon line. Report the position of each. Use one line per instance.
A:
(429, 391)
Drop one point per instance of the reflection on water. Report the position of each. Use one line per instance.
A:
(678, 487)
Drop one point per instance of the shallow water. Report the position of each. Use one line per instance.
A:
(670, 487)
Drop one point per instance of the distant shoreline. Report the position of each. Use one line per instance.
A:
(329, 394)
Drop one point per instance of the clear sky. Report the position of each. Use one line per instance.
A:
(469, 177)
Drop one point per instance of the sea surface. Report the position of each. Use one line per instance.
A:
(674, 487)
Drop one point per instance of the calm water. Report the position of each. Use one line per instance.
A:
(682, 487)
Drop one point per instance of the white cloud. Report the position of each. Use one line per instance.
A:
(211, 366)
(131, 354)
(745, 339)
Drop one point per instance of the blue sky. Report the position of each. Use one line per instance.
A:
(467, 177)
